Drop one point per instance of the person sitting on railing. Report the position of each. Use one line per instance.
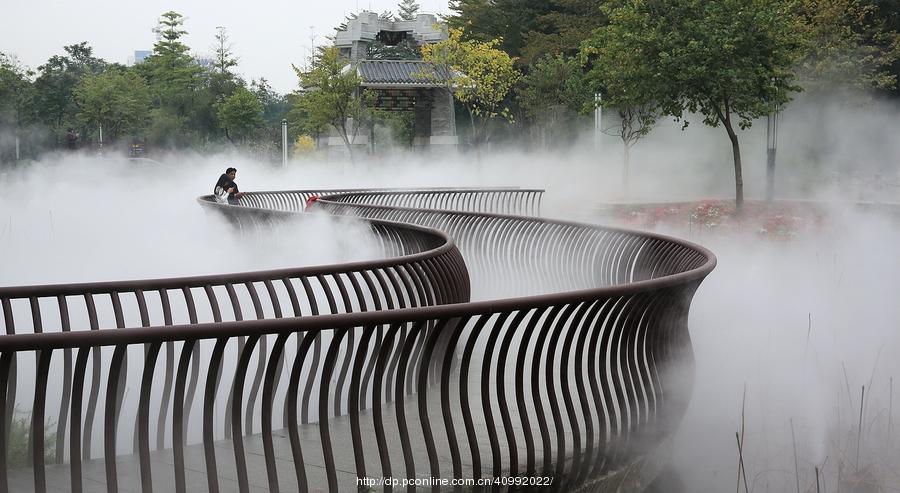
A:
(226, 189)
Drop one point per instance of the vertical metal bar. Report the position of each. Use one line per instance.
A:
(546, 449)
(292, 393)
(268, 396)
(66, 384)
(377, 387)
(37, 420)
(353, 401)
(493, 335)
(348, 352)
(37, 327)
(588, 326)
(260, 365)
(95, 380)
(500, 383)
(238, 316)
(178, 415)
(471, 433)
(10, 387)
(75, 432)
(422, 390)
(209, 408)
(143, 418)
(324, 432)
(240, 460)
(317, 349)
(167, 380)
(195, 356)
(111, 418)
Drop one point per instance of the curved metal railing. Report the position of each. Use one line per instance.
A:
(579, 380)
(510, 200)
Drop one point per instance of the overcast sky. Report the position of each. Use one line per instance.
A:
(267, 35)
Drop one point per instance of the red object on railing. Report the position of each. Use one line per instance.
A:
(309, 203)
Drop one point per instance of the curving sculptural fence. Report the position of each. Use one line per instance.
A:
(380, 368)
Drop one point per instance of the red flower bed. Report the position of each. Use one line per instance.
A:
(770, 219)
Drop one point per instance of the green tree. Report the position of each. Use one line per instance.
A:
(183, 103)
(56, 81)
(731, 61)
(552, 93)
(274, 105)
(407, 10)
(331, 97)
(117, 100)
(853, 44)
(562, 28)
(225, 58)
(240, 115)
(635, 93)
(508, 21)
(887, 14)
(222, 80)
(15, 91)
(171, 71)
(529, 29)
(477, 73)
(16, 96)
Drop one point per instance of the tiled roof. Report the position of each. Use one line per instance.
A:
(401, 72)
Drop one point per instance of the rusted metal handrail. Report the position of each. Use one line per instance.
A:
(580, 384)
(419, 270)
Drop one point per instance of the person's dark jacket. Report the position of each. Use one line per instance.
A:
(225, 183)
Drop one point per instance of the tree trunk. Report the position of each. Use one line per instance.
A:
(626, 160)
(738, 176)
(349, 146)
(474, 129)
(372, 134)
(342, 129)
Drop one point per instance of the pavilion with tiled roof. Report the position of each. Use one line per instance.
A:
(401, 85)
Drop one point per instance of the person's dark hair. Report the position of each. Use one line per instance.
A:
(223, 180)
(229, 170)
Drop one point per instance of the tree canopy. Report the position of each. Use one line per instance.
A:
(170, 69)
(117, 100)
(407, 10)
(730, 61)
(240, 115)
(331, 96)
(478, 74)
(15, 92)
(853, 44)
(529, 65)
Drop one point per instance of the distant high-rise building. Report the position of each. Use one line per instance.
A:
(140, 55)
(204, 60)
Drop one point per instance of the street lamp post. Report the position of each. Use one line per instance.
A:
(771, 147)
(598, 119)
(284, 142)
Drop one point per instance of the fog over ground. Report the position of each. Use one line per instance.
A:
(801, 324)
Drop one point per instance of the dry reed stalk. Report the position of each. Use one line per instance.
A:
(741, 464)
(890, 412)
(847, 382)
(796, 462)
(859, 435)
(741, 470)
